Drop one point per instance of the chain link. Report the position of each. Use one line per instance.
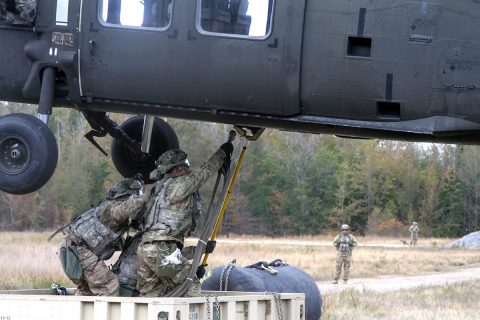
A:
(228, 268)
(216, 307)
(228, 275)
(278, 304)
(209, 313)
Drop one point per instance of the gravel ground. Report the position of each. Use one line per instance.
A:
(470, 241)
(392, 283)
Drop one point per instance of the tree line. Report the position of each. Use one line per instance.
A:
(290, 183)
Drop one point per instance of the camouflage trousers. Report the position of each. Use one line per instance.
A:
(346, 262)
(96, 279)
(413, 240)
(27, 11)
(160, 268)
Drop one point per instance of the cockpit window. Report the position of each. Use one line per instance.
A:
(137, 13)
(236, 17)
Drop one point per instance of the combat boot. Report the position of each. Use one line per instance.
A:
(345, 281)
(335, 281)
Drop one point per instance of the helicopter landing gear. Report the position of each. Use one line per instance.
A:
(28, 153)
(161, 136)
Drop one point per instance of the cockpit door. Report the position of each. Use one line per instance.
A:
(232, 55)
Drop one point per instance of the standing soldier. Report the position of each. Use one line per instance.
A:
(344, 242)
(161, 263)
(94, 236)
(413, 234)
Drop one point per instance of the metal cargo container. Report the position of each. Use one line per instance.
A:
(46, 305)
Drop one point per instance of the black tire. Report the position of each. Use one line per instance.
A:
(28, 153)
(127, 163)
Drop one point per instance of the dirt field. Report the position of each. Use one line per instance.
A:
(394, 283)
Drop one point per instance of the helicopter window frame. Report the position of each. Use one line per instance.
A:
(269, 22)
(103, 22)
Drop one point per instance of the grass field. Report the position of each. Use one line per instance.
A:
(456, 302)
(27, 260)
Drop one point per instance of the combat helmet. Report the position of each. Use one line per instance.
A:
(124, 189)
(169, 160)
(345, 227)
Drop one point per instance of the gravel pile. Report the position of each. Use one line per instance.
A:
(470, 241)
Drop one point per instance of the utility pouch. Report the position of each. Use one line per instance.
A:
(169, 262)
(70, 262)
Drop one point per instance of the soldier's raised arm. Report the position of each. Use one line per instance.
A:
(184, 186)
(128, 199)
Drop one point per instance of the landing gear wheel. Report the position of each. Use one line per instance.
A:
(129, 163)
(28, 153)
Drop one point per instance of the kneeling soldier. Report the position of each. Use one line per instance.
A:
(94, 236)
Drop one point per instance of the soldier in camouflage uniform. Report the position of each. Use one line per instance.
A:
(18, 12)
(344, 242)
(96, 234)
(413, 234)
(161, 263)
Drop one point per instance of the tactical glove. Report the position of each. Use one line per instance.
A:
(228, 148)
(210, 246)
(200, 271)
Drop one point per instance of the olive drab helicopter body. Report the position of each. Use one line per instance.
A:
(399, 69)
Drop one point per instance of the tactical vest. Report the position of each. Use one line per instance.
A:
(88, 230)
(345, 245)
(414, 231)
(176, 223)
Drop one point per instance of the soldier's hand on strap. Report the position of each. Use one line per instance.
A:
(211, 244)
(228, 148)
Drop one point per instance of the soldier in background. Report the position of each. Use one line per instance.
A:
(18, 12)
(93, 236)
(413, 234)
(344, 242)
(162, 262)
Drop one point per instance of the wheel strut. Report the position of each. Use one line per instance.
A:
(47, 94)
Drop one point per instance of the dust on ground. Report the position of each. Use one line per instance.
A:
(393, 283)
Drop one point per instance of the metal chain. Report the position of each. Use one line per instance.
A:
(217, 307)
(209, 313)
(227, 268)
(228, 275)
(278, 304)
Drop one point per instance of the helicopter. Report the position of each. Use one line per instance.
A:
(403, 70)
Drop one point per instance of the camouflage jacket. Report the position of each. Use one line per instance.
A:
(101, 227)
(344, 244)
(176, 206)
